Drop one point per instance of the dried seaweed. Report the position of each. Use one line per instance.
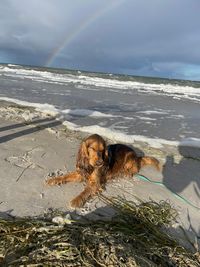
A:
(135, 237)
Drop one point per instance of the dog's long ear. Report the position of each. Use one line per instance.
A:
(106, 155)
(82, 161)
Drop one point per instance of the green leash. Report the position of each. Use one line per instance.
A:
(144, 178)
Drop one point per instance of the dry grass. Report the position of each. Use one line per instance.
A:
(133, 238)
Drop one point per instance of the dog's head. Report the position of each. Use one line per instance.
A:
(92, 153)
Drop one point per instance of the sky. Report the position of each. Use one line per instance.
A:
(159, 38)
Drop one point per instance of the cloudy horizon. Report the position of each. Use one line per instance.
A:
(146, 38)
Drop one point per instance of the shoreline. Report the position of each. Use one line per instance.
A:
(109, 134)
(35, 145)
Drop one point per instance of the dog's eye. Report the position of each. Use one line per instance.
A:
(91, 148)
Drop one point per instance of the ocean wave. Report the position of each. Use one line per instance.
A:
(167, 89)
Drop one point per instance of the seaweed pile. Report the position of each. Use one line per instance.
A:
(135, 237)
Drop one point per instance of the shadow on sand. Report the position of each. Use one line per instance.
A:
(185, 174)
(183, 178)
(38, 125)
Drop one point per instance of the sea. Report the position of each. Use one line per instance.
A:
(123, 108)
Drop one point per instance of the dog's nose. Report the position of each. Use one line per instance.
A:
(99, 154)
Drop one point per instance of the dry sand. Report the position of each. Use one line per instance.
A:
(34, 146)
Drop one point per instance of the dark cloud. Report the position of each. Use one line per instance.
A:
(158, 38)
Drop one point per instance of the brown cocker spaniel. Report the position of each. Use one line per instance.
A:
(98, 163)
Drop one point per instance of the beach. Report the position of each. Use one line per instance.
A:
(46, 113)
(36, 146)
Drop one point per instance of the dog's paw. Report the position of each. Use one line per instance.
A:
(51, 181)
(77, 202)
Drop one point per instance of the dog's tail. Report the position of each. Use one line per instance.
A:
(145, 161)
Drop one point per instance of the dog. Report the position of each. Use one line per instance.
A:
(98, 163)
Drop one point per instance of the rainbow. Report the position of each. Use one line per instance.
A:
(81, 28)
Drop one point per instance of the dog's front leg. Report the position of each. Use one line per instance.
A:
(70, 177)
(92, 188)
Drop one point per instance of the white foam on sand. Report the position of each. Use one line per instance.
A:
(42, 107)
(149, 112)
(146, 118)
(118, 136)
(86, 112)
(112, 134)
